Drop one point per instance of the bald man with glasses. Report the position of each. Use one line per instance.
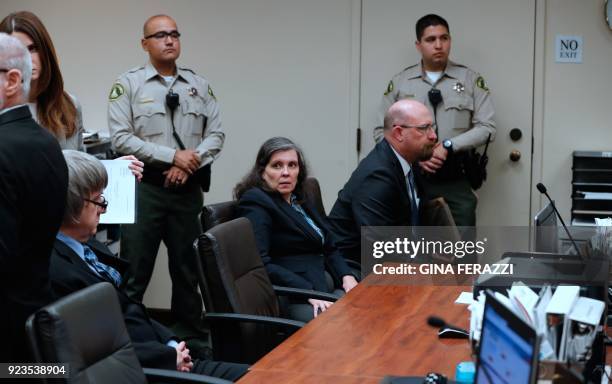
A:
(385, 190)
(168, 117)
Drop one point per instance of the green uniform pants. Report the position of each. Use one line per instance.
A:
(459, 197)
(171, 216)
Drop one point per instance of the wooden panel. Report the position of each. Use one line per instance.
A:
(376, 330)
(266, 377)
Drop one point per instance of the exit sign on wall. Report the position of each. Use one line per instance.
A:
(568, 49)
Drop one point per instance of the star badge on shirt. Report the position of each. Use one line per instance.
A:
(458, 87)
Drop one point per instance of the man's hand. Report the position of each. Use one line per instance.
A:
(187, 159)
(136, 166)
(175, 177)
(437, 159)
(348, 282)
(183, 359)
(319, 305)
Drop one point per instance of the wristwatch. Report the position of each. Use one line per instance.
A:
(448, 145)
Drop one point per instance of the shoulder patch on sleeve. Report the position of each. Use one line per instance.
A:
(116, 92)
(211, 93)
(482, 84)
(389, 88)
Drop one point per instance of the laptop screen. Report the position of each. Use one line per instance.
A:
(508, 347)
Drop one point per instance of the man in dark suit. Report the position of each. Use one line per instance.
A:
(383, 190)
(33, 181)
(78, 262)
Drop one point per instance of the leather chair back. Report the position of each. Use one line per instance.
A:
(86, 330)
(436, 212)
(312, 190)
(236, 281)
(215, 214)
(235, 276)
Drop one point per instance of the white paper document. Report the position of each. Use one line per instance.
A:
(465, 298)
(120, 193)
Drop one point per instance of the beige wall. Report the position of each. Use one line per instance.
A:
(278, 67)
(575, 106)
(292, 67)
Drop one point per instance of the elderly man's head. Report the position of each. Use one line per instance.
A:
(87, 179)
(15, 72)
(409, 130)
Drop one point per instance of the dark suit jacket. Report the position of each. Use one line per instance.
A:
(293, 252)
(69, 273)
(375, 195)
(33, 184)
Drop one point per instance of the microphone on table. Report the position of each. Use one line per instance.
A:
(542, 190)
(447, 330)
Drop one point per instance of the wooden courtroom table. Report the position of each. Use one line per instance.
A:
(374, 331)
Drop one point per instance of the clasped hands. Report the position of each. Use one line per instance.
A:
(437, 159)
(183, 359)
(184, 164)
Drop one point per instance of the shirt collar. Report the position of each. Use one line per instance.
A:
(451, 70)
(151, 72)
(405, 165)
(72, 244)
(10, 108)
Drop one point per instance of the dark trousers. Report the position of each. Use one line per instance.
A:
(223, 370)
(171, 216)
(458, 195)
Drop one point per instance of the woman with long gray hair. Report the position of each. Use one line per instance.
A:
(294, 240)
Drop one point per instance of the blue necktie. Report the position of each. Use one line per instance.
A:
(107, 272)
(414, 209)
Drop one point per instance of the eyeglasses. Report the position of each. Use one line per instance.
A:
(421, 128)
(102, 204)
(161, 35)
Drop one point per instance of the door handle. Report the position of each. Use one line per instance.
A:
(515, 155)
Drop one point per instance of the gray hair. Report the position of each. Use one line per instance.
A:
(14, 55)
(86, 175)
(268, 148)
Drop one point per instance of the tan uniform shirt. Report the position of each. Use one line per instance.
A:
(139, 120)
(465, 114)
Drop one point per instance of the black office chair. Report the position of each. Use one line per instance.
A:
(312, 190)
(215, 214)
(86, 331)
(437, 213)
(241, 302)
